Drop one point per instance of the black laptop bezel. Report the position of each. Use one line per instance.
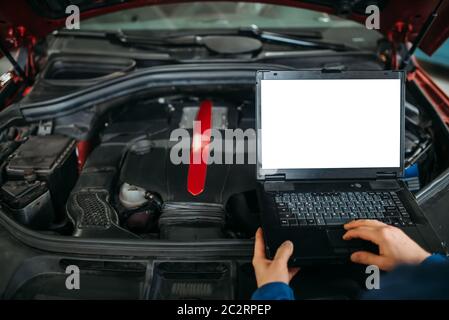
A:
(325, 173)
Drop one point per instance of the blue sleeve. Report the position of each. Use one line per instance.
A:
(435, 259)
(429, 280)
(274, 291)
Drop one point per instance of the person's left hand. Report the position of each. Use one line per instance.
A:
(275, 270)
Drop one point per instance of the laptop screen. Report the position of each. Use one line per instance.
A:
(330, 123)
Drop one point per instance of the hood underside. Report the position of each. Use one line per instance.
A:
(37, 18)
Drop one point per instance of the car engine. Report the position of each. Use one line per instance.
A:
(130, 183)
(129, 187)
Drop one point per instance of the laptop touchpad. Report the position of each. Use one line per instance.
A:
(336, 238)
(336, 241)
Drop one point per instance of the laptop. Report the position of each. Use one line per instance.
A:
(330, 149)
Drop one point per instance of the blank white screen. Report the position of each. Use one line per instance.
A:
(342, 123)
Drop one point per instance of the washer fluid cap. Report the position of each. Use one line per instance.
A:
(132, 197)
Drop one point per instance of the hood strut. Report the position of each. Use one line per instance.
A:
(426, 26)
(16, 66)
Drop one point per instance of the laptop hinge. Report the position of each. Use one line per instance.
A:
(386, 175)
(275, 177)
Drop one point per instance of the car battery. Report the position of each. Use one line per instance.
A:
(50, 158)
(28, 203)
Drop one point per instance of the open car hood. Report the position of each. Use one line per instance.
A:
(36, 18)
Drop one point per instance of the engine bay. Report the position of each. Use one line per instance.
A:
(121, 182)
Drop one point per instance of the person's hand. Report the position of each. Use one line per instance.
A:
(395, 247)
(275, 270)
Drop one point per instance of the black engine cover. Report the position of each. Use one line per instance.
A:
(155, 172)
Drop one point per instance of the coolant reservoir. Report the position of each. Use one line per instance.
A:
(132, 197)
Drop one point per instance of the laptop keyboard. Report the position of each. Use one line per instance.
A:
(337, 208)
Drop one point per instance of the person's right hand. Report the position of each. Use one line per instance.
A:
(395, 247)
